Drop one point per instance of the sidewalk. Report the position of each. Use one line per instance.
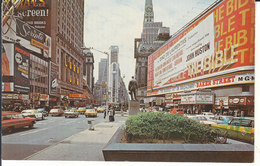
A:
(84, 146)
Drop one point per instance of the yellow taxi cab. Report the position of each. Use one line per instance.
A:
(81, 110)
(90, 113)
(101, 109)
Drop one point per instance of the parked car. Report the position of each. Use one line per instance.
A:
(239, 128)
(81, 110)
(43, 111)
(56, 111)
(208, 115)
(101, 109)
(91, 113)
(13, 120)
(202, 119)
(220, 119)
(72, 112)
(33, 113)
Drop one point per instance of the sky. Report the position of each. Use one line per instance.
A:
(119, 22)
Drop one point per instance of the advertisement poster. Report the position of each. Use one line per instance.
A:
(36, 13)
(220, 42)
(7, 67)
(36, 37)
(21, 70)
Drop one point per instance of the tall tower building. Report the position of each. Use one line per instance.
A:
(149, 42)
(114, 54)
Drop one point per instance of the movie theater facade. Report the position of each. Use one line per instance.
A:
(208, 65)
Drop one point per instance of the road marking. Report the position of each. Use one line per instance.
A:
(35, 131)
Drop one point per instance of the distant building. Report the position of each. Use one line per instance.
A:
(88, 78)
(100, 85)
(114, 50)
(153, 36)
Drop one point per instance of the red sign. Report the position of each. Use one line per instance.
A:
(239, 100)
(76, 95)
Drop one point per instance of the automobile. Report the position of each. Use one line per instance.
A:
(208, 115)
(81, 110)
(202, 119)
(177, 111)
(101, 109)
(90, 113)
(14, 120)
(239, 128)
(43, 111)
(72, 112)
(56, 111)
(220, 119)
(33, 113)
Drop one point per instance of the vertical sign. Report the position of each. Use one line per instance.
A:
(21, 70)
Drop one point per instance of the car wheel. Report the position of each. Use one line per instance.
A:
(86, 116)
(42, 117)
(65, 116)
(30, 125)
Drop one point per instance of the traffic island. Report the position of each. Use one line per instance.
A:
(116, 151)
(192, 149)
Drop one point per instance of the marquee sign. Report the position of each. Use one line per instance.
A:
(221, 41)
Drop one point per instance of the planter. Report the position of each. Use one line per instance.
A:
(116, 151)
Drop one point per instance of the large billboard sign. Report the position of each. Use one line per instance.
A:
(221, 41)
(34, 36)
(53, 78)
(36, 13)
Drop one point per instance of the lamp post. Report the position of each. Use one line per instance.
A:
(34, 82)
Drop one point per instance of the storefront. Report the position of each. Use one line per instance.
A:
(196, 102)
(77, 100)
(241, 105)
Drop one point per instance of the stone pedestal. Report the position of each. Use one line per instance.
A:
(133, 107)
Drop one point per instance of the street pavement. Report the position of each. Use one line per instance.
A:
(83, 146)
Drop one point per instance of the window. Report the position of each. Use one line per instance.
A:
(245, 88)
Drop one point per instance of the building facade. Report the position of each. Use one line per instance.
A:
(67, 20)
(100, 85)
(88, 75)
(200, 69)
(152, 37)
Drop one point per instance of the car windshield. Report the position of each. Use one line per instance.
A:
(6, 117)
(90, 110)
(40, 109)
(17, 116)
(72, 110)
(81, 108)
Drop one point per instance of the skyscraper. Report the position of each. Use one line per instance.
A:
(149, 42)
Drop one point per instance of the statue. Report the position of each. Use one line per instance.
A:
(132, 87)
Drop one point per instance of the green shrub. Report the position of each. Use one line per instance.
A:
(166, 126)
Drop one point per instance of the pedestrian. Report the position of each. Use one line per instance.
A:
(105, 113)
(111, 115)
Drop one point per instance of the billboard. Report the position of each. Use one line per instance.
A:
(36, 13)
(34, 36)
(21, 70)
(219, 42)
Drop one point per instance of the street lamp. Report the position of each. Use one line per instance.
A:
(107, 87)
(39, 76)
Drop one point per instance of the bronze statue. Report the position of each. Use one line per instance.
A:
(132, 87)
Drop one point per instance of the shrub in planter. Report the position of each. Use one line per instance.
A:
(166, 126)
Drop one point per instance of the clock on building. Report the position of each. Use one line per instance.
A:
(148, 9)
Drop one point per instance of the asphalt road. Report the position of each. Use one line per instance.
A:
(25, 142)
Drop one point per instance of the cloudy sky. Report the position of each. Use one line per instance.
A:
(119, 22)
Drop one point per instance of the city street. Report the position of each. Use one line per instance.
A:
(25, 142)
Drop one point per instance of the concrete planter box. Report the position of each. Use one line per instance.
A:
(116, 151)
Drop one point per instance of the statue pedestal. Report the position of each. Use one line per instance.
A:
(133, 107)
